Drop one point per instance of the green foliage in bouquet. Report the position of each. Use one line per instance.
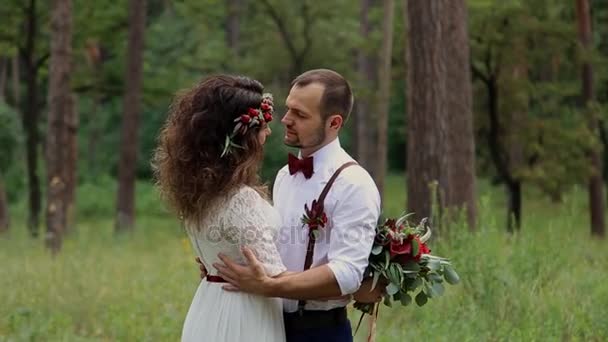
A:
(401, 258)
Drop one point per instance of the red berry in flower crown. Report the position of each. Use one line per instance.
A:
(265, 107)
(245, 119)
(267, 117)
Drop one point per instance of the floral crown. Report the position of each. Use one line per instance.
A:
(253, 118)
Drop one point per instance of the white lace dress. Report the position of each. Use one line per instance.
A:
(217, 315)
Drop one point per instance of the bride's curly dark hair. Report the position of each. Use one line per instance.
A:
(189, 170)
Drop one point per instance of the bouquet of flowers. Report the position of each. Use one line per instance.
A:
(402, 258)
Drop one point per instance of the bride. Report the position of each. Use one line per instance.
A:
(206, 166)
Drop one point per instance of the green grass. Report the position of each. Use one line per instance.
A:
(547, 283)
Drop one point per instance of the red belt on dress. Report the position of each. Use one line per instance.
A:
(215, 279)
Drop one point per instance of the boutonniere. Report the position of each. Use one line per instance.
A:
(314, 217)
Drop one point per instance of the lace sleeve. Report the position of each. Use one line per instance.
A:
(246, 224)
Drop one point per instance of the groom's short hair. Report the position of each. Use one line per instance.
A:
(337, 97)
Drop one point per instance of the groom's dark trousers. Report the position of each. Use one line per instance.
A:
(312, 326)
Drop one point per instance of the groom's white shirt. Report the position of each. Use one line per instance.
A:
(352, 206)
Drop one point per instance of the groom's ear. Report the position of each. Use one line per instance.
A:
(336, 121)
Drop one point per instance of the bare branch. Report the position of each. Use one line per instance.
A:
(274, 15)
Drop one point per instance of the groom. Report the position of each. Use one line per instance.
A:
(318, 105)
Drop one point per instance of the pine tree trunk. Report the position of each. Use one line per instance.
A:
(60, 109)
(30, 120)
(234, 8)
(125, 213)
(3, 72)
(515, 119)
(365, 122)
(71, 165)
(95, 59)
(461, 139)
(426, 155)
(596, 184)
(4, 214)
(384, 93)
(15, 79)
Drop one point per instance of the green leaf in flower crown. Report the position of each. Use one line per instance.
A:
(415, 247)
(421, 298)
(405, 298)
(450, 275)
(375, 280)
(391, 289)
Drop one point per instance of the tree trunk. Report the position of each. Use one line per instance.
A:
(71, 166)
(234, 8)
(30, 119)
(125, 213)
(3, 72)
(95, 59)
(15, 80)
(384, 92)
(60, 110)
(497, 153)
(4, 214)
(514, 206)
(365, 123)
(596, 184)
(461, 139)
(426, 95)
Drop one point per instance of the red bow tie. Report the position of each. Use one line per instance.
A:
(305, 165)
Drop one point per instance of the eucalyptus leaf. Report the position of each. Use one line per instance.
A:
(387, 301)
(450, 275)
(391, 289)
(429, 290)
(411, 266)
(405, 298)
(375, 280)
(434, 264)
(438, 288)
(434, 277)
(399, 271)
(421, 298)
(415, 284)
(377, 250)
(387, 259)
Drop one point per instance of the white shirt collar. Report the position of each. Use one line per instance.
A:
(325, 154)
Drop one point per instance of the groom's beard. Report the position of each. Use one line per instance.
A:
(317, 140)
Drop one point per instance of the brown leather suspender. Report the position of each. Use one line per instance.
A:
(311, 237)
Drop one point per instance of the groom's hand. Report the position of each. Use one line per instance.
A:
(249, 278)
(366, 294)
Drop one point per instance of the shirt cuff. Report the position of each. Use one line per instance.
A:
(347, 278)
